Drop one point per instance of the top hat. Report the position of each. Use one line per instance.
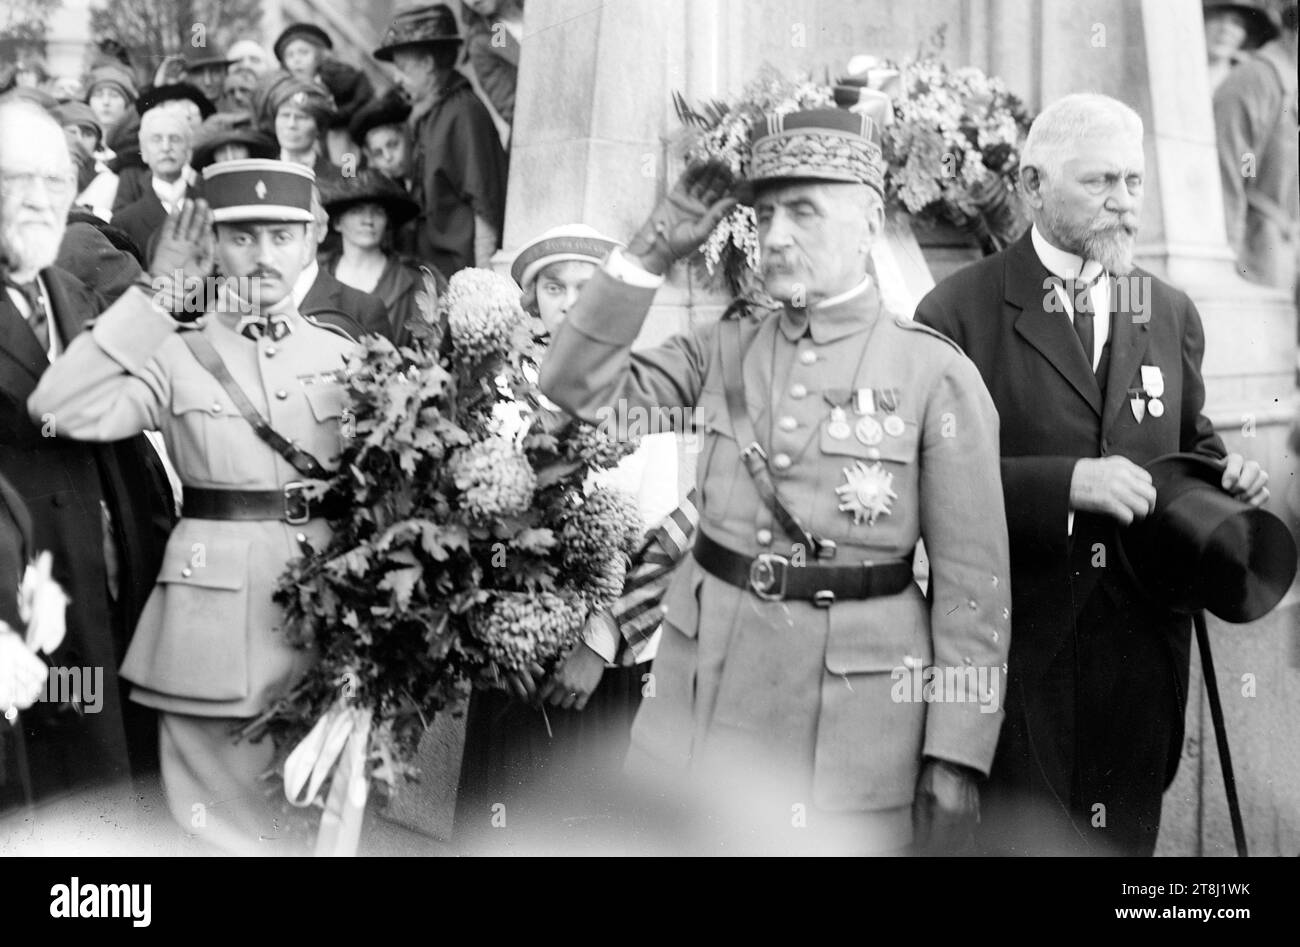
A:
(434, 24)
(1202, 548)
(559, 244)
(827, 144)
(1260, 25)
(308, 31)
(369, 187)
(258, 189)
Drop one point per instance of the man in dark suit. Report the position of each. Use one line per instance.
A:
(1095, 369)
(102, 510)
(166, 143)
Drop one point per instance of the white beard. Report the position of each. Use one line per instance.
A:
(30, 249)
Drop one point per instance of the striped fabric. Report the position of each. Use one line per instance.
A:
(639, 610)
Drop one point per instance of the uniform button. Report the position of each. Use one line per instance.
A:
(968, 660)
(971, 605)
(282, 394)
(911, 662)
(764, 537)
(186, 572)
(808, 357)
(798, 391)
(788, 423)
(216, 407)
(781, 461)
(873, 453)
(996, 636)
(302, 538)
(270, 351)
(1006, 613)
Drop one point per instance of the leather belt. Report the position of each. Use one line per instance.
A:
(290, 503)
(774, 578)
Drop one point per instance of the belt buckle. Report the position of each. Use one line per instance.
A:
(297, 506)
(764, 576)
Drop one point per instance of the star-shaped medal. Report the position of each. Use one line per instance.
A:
(866, 492)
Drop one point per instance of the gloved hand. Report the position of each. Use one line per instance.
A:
(685, 217)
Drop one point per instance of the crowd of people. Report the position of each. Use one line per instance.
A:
(161, 460)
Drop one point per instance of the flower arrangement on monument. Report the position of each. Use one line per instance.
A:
(951, 144)
(468, 551)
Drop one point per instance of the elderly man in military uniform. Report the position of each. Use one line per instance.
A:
(249, 401)
(801, 664)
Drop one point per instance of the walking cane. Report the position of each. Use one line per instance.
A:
(1220, 732)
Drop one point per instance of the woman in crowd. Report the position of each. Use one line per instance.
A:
(365, 211)
(298, 113)
(304, 51)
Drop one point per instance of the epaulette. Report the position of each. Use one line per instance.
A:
(330, 326)
(918, 327)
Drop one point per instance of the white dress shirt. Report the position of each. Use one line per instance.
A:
(20, 301)
(302, 285)
(171, 193)
(1071, 266)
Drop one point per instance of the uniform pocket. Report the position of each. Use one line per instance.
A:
(871, 727)
(327, 401)
(201, 649)
(203, 440)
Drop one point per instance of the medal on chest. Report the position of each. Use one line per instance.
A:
(866, 492)
(1153, 383)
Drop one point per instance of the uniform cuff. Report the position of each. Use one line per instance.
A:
(601, 637)
(132, 329)
(626, 270)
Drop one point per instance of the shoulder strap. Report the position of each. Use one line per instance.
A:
(733, 382)
(207, 356)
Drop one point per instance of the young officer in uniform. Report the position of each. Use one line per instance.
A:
(207, 652)
(789, 678)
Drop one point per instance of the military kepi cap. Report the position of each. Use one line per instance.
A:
(258, 189)
(828, 144)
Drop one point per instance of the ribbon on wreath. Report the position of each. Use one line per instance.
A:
(337, 746)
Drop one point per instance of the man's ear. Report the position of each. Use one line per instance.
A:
(1031, 186)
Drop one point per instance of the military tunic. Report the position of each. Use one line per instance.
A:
(208, 644)
(822, 696)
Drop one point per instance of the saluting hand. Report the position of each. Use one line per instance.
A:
(184, 246)
(686, 216)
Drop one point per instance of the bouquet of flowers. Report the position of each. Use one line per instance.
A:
(467, 551)
(951, 149)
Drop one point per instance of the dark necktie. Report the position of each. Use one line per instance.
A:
(276, 327)
(1081, 303)
(37, 320)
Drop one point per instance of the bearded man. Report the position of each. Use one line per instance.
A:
(1095, 369)
(100, 509)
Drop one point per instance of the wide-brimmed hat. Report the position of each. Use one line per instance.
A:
(829, 144)
(391, 108)
(430, 25)
(258, 189)
(80, 114)
(558, 245)
(308, 31)
(175, 92)
(1202, 548)
(230, 128)
(117, 76)
(368, 187)
(1258, 17)
(196, 57)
